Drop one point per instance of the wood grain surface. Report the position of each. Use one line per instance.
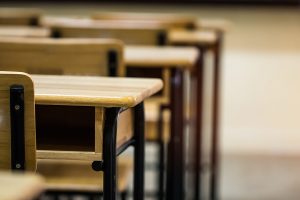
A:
(93, 91)
(8, 79)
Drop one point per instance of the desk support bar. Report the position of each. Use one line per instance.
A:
(17, 127)
(124, 146)
(109, 153)
(139, 152)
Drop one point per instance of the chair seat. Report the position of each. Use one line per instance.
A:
(79, 176)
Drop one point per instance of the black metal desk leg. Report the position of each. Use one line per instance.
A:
(199, 115)
(176, 161)
(215, 123)
(161, 154)
(109, 153)
(139, 152)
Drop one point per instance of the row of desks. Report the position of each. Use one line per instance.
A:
(178, 60)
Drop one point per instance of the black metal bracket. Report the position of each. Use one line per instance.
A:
(162, 38)
(55, 33)
(34, 21)
(112, 61)
(17, 127)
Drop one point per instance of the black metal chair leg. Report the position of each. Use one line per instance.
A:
(139, 152)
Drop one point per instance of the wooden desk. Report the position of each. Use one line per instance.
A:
(173, 20)
(20, 16)
(177, 59)
(219, 25)
(19, 186)
(88, 100)
(168, 57)
(192, 37)
(204, 40)
(24, 31)
(81, 22)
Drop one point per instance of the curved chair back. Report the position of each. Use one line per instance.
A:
(92, 57)
(20, 16)
(17, 122)
(130, 32)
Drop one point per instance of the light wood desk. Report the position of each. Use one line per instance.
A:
(192, 37)
(204, 40)
(173, 20)
(90, 105)
(177, 60)
(219, 25)
(168, 57)
(24, 31)
(20, 16)
(20, 186)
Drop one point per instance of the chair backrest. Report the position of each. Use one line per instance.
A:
(130, 32)
(94, 57)
(24, 31)
(172, 20)
(20, 16)
(17, 122)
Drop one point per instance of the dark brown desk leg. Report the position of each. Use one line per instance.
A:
(161, 152)
(215, 122)
(198, 123)
(175, 165)
(110, 153)
(139, 152)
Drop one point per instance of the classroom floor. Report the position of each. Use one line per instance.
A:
(252, 177)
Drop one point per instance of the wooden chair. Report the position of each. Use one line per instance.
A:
(20, 16)
(24, 31)
(20, 186)
(91, 57)
(130, 32)
(17, 138)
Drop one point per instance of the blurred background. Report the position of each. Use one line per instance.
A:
(260, 107)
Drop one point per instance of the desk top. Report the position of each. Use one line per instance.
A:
(192, 37)
(14, 186)
(87, 23)
(173, 19)
(93, 91)
(213, 24)
(24, 31)
(153, 56)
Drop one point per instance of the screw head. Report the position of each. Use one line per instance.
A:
(18, 166)
(97, 166)
(17, 107)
